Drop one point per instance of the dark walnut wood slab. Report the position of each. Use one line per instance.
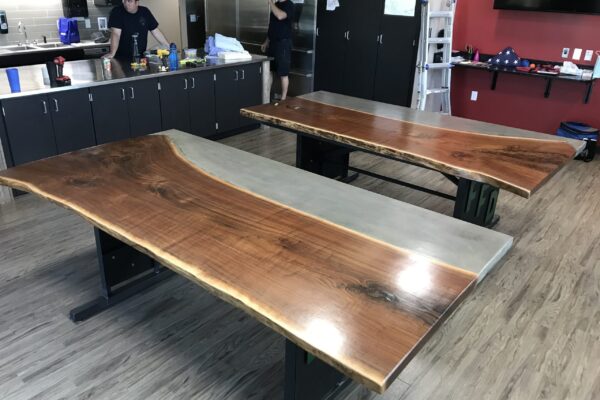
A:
(361, 305)
(519, 165)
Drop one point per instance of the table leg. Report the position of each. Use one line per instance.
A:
(124, 271)
(476, 203)
(319, 157)
(308, 378)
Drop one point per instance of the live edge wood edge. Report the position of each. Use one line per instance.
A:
(399, 154)
(162, 257)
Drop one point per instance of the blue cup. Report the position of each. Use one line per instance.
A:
(13, 79)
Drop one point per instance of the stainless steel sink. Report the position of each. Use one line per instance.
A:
(50, 45)
(18, 48)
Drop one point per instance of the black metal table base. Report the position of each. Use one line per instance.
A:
(308, 378)
(475, 202)
(322, 158)
(124, 271)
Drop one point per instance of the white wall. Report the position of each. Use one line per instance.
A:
(167, 13)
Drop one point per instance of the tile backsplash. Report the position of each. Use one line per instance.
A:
(39, 18)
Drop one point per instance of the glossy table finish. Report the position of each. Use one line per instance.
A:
(507, 160)
(355, 299)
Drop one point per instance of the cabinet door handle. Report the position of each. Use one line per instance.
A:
(348, 35)
(185, 86)
(45, 107)
(381, 39)
(193, 83)
(243, 74)
(123, 94)
(56, 105)
(132, 93)
(237, 75)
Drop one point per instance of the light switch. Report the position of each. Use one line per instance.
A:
(565, 52)
(577, 54)
(589, 54)
(193, 18)
(88, 23)
(474, 95)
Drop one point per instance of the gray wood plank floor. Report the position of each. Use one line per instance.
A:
(531, 330)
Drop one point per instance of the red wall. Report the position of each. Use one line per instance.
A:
(519, 100)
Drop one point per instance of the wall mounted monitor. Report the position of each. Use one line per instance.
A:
(563, 6)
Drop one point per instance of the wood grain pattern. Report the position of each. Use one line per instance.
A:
(519, 165)
(361, 305)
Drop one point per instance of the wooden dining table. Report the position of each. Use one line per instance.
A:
(322, 263)
(480, 158)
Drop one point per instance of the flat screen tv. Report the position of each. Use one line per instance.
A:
(563, 6)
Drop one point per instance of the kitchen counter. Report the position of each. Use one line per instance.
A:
(87, 73)
(21, 55)
(6, 51)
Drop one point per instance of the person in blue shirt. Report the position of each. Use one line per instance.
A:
(131, 19)
(279, 41)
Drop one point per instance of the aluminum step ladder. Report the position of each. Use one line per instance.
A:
(425, 66)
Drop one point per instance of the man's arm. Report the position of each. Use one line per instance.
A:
(158, 35)
(115, 36)
(277, 12)
(265, 45)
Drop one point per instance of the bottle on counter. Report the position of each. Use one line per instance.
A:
(173, 59)
(136, 49)
(106, 64)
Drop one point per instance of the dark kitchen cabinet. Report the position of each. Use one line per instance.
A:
(111, 118)
(72, 120)
(126, 110)
(232, 92)
(363, 21)
(394, 76)
(202, 104)
(29, 128)
(330, 50)
(175, 103)
(226, 88)
(188, 103)
(249, 90)
(5, 147)
(144, 107)
(45, 125)
(40, 126)
(363, 53)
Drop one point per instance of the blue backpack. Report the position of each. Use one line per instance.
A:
(581, 131)
(68, 31)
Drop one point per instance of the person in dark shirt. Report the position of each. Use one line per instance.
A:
(131, 19)
(279, 41)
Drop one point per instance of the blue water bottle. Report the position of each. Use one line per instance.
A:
(173, 61)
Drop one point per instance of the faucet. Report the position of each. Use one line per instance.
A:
(23, 30)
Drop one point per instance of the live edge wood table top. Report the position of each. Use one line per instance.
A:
(355, 278)
(515, 160)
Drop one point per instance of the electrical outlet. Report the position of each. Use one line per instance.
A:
(102, 24)
(88, 23)
(474, 95)
(577, 54)
(589, 54)
(565, 52)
